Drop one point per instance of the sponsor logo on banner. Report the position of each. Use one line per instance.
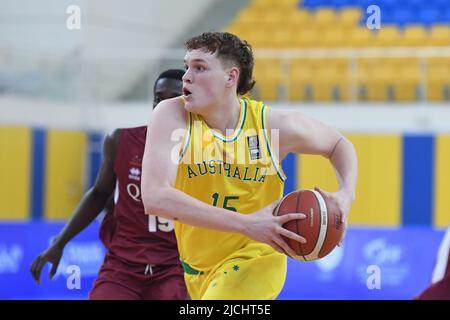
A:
(10, 258)
(330, 263)
(388, 257)
(88, 256)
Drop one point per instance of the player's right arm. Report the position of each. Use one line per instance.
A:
(89, 208)
(161, 198)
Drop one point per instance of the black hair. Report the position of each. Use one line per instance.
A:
(176, 74)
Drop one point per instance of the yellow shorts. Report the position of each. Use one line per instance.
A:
(255, 272)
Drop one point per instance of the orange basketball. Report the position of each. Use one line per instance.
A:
(322, 227)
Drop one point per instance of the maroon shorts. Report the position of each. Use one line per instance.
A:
(118, 280)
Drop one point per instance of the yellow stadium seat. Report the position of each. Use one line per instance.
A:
(330, 81)
(241, 31)
(361, 37)
(335, 38)
(362, 77)
(325, 18)
(266, 90)
(349, 18)
(381, 81)
(409, 79)
(288, 4)
(272, 18)
(438, 79)
(318, 80)
(298, 18)
(263, 5)
(268, 75)
(307, 38)
(388, 37)
(281, 38)
(440, 35)
(247, 17)
(258, 38)
(414, 36)
(301, 73)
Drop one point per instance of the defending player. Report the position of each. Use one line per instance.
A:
(142, 261)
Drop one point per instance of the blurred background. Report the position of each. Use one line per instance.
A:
(377, 70)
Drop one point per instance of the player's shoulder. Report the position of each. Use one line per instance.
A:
(110, 144)
(113, 136)
(171, 106)
(170, 111)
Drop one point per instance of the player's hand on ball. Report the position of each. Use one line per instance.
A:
(264, 227)
(343, 201)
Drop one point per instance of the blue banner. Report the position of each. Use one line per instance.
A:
(372, 264)
(21, 243)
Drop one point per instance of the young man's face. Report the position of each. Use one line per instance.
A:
(205, 80)
(166, 88)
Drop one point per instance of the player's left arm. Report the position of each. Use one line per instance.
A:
(301, 134)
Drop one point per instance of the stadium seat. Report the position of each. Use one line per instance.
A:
(268, 74)
(362, 37)
(308, 38)
(388, 37)
(414, 36)
(341, 24)
(409, 79)
(380, 86)
(331, 80)
(301, 73)
(281, 38)
(324, 18)
(349, 18)
(335, 38)
(298, 18)
(273, 18)
(402, 16)
(438, 80)
(428, 16)
(440, 35)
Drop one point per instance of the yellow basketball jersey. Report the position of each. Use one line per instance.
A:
(237, 171)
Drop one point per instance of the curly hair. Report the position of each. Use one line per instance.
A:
(229, 48)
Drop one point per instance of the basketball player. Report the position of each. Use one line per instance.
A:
(440, 283)
(222, 189)
(142, 260)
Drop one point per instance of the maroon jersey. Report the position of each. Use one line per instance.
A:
(440, 288)
(134, 236)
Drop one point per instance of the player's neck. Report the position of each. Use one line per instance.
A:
(224, 116)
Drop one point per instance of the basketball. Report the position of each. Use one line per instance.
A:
(322, 227)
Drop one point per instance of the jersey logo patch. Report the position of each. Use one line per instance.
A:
(135, 174)
(253, 147)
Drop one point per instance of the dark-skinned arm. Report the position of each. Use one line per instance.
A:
(90, 206)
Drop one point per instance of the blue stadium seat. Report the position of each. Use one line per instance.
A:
(429, 16)
(415, 4)
(384, 5)
(403, 16)
(438, 4)
(401, 13)
(344, 3)
(387, 17)
(447, 16)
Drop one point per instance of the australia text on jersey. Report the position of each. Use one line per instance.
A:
(250, 147)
